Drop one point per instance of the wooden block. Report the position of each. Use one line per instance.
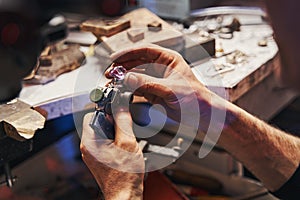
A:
(45, 58)
(154, 26)
(139, 19)
(167, 38)
(81, 37)
(135, 35)
(62, 61)
(100, 27)
(199, 49)
(19, 121)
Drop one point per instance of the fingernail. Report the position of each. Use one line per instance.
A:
(131, 80)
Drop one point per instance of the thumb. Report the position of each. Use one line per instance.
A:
(144, 84)
(124, 136)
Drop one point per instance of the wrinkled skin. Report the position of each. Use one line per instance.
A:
(122, 176)
(163, 77)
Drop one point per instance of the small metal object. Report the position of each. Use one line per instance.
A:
(165, 151)
(212, 27)
(235, 25)
(179, 143)
(159, 150)
(236, 57)
(219, 49)
(104, 98)
(96, 95)
(225, 30)
(226, 36)
(10, 180)
(231, 58)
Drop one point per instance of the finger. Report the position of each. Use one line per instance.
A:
(124, 136)
(144, 55)
(140, 48)
(144, 85)
(88, 136)
(151, 98)
(87, 131)
(151, 69)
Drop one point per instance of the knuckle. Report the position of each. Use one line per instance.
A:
(168, 90)
(126, 145)
(150, 85)
(87, 118)
(83, 149)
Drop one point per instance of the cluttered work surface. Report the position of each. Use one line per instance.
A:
(235, 54)
(245, 61)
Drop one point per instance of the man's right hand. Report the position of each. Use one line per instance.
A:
(163, 77)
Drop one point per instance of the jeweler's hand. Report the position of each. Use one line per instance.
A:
(163, 77)
(118, 166)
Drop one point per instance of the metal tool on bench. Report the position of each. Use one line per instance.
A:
(173, 152)
(18, 123)
(25, 32)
